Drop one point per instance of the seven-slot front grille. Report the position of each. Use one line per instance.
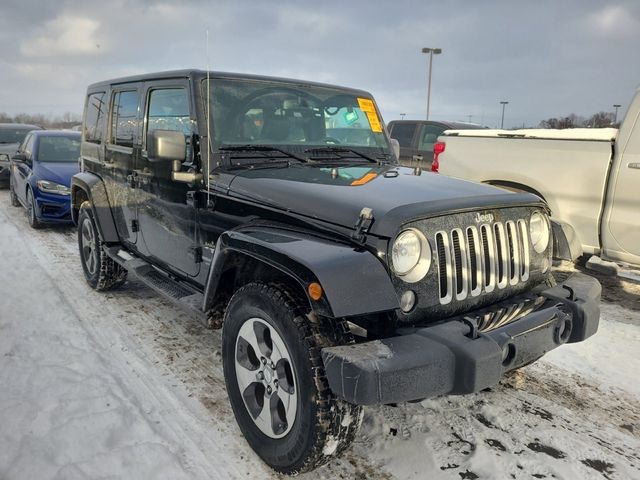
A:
(480, 259)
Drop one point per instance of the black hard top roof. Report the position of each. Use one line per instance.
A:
(200, 74)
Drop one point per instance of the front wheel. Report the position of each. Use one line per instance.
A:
(276, 380)
(31, 210)
(100, 271)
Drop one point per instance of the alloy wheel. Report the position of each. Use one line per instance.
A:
(265, 376)
(89, 252)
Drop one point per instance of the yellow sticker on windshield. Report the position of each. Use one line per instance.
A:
(367, 106)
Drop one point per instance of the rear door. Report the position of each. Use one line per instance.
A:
(121, 151)
(167, 222)
(621, 239)
(405, 133)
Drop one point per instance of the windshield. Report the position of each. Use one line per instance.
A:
(13, 135)
(295, 117)
(59, 149)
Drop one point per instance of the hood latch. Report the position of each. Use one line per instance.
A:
(365, 219)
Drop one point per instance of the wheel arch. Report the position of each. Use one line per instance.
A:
(87, 186)
(300, 259)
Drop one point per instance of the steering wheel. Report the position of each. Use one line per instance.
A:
(332, 140)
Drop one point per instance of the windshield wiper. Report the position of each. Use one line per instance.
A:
(260, 148)
(338, 150)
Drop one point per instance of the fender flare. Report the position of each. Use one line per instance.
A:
(94, 189)
(354, 282)
(566, 243)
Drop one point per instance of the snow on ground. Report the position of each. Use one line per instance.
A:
(124, 385)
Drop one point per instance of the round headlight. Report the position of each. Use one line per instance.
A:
(411, 255)
(539, 232)
(405, 253)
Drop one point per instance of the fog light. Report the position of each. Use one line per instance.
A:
(407, 301)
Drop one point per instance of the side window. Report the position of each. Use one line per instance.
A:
(168, 109)
(430, 134)
(124, 118)
(403, 132)
(94, 117)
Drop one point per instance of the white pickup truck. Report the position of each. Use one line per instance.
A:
(589, 177)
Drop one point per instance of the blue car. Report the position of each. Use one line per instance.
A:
(41, 174)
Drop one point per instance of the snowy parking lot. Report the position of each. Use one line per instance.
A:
(124, 385)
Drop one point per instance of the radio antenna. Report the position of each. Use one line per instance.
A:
(208, 127)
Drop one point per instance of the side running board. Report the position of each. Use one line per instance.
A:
(179, 293)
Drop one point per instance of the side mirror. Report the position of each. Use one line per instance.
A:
(395, 146)
(166, 146)
(19, 157)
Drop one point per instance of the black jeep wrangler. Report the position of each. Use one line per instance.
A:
(276, 210)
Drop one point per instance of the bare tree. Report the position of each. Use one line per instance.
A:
(600, 120)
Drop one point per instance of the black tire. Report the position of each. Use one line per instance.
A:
(100, 271)
(12, 195)
(31, 210)
(324, 425)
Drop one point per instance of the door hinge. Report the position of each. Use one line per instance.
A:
(135, 226)
(196, 254)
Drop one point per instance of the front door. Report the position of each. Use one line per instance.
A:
(621, 238)
(167, 222)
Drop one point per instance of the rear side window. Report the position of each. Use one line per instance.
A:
(403, 132)
(94, 117)
(124, 118)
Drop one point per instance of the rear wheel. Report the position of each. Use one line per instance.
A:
(100, 271)
(31, 210)
(276, 380)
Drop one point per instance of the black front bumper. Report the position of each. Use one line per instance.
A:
(450, 359)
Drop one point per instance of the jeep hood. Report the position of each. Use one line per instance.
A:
(396, 194)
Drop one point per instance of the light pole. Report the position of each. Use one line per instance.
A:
(431, 52)
(504, 104)
(402, 115)
(615, 117)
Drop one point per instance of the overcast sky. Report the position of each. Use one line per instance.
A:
(547, 58)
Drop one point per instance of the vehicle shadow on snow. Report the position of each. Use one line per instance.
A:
(537, 423)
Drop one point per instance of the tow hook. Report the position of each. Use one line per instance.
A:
(572, 296)
(473, 327)
(564, 327)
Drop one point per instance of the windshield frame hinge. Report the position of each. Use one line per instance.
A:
(364, 222)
